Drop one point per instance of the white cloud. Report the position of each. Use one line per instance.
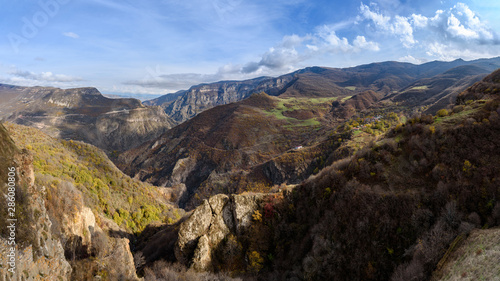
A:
(43, 76)
(419, 21)
(455, 50)
(449, 34)
(294, 49)
(379, 19)
(71, 35)
(333, 42)
(411, 59)
(399, 25)
(312, 47)
(14, 76)
(459, 23)
(173, 81)
(456, 29)
(361, 43)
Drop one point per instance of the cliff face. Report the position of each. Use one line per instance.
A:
(83, 114)
(203, 97)
(38, 252)
(57, 236)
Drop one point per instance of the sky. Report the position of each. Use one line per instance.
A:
(149, 48)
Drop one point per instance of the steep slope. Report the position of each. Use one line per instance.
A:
(485, 89)
(83, 114)
(441, 90)
(389, 212)
(473, 258)
(384, 77)
(240, 146)
(90, 209)
(357, 103)
(27, 249)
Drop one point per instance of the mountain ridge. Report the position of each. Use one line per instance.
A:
(316, 81)
(83, 114)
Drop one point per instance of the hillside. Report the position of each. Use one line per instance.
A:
(189, 103)
(472, 258)
(485, 89)
(90, 209)
(242, 146)
(83, 114)
(355, 104)
(24, 221)
(384, 77)
(439, 91)
(391, 211)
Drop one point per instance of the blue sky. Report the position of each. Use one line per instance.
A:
(156, 47)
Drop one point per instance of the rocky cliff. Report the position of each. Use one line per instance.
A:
(38, 254)
(224, 233)
(206, 96)
(83, 114)
(57, 237)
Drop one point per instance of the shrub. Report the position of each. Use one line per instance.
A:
(257, 216)
(442, 113)
(256, 262)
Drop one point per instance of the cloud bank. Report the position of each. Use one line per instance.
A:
(457, 32)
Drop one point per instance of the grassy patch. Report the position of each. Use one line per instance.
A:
(309, 122)
(455, 117)
(475, 259)
(352, 88)
(295, 104)
(419, 88)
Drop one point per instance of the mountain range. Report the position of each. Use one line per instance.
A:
(248, 144)
(407, 206)
(385, 171)
(384, 77)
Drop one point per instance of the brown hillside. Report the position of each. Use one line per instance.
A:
(222, 149)
(358, 103)
(83, 114)
(489, 87)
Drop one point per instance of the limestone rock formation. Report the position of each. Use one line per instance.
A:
(210, 235)
(39, 253)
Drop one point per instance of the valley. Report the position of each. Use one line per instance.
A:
(374, 172)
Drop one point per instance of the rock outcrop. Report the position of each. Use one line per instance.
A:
(39, 254)
(57, 237)
(211, 236)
